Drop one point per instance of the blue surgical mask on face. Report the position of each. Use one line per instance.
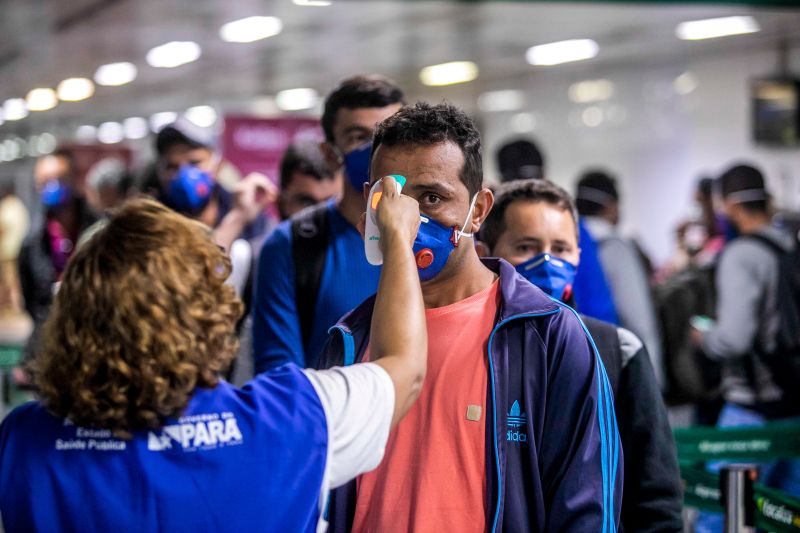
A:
(551, 274)
(435, 242)
(190, 190)
(55, 194)
(356, 166)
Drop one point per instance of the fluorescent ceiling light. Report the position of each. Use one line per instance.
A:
(296, 99)
(497, 101)
(449, 73)
(584, 92)
(47, 143)
(523, 123)
(592, 116)
(173, 54)
(41, 99)
(561, 52)
(159, 120)
(115, 74)
(685, 83)
(250, 29)
(135, 128)
(202, 115)
(312, 3)
(696, 30)
(75, 89)
(15, 109)
(86, 133)
(110, 132)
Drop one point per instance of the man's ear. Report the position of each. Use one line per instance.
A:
(482, 249)
(365, 191)
(362, 223)
(483, 205)
(331, 155)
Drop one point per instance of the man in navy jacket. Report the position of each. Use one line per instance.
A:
(544, 420)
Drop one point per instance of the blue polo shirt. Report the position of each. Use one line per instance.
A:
(347, 280)
(248, 459)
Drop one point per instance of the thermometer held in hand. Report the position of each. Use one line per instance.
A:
(372, 236)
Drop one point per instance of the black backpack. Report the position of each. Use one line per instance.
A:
(784, 361)
(309, 245)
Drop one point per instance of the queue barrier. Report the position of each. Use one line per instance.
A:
(770, 509)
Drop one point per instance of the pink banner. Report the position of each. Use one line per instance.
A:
(257, 144)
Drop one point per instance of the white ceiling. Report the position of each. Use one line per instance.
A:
(45, 41)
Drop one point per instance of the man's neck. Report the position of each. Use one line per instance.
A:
(471, 278)
(748, 225)
(351, 205)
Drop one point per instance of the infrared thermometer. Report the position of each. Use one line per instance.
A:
(372, 236)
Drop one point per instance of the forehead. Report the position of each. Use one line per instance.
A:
(363, 117)
(539, 219)
(441, 162)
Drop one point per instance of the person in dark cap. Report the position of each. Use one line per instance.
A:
(520, 160)
(597, 200)
(744, 337)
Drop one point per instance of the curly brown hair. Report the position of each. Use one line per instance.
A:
(142, 318)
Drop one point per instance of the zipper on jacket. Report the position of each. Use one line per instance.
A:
(494, 404)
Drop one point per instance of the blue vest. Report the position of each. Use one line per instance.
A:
(249, 459)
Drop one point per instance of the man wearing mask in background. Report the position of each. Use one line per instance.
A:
(757, 385)
(46, 250)
(597, 201)
(312, 270)
(514, 429)
(306, 178)
(533, 226)
(522, 159)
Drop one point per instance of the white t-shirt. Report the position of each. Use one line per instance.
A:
(358, 402)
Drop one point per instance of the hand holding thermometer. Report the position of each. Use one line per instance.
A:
(372, 236)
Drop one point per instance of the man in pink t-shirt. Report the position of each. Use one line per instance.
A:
(514, 428)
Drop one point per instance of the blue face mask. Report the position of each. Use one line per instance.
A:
(435, 242)
(190, 190)
(55, 194)
(551, 274)
(356, 166)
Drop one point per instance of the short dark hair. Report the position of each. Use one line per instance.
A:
(520, 160)
(532, 190)
(304, 157)
(358, 92)
(745, 178)
(596, 190)
(424, 124)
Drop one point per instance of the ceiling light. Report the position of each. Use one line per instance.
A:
(135, 128)
(86, 133)
(173, 54)
(159, 120)
(449, 73)
(250, 29)
(33, 146)
(685, 83)
(296, 99)
(110, 132)
(312, 3)
(696, 30)
(115, 74)
(75, 89)
(561, 52)
(592, 116)
(584, 92)
(47, 143)
(15, 109)
(41, 99)
(497, 101)
(523, 123)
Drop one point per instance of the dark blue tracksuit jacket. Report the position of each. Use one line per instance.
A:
(554, 460)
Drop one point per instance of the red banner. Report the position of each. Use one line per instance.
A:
(257, 144)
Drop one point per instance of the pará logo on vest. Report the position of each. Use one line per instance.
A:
(516, 420)
(204, 431)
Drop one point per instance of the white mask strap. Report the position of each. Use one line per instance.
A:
(461, 233)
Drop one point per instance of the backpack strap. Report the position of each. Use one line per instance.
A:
(309, 246)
